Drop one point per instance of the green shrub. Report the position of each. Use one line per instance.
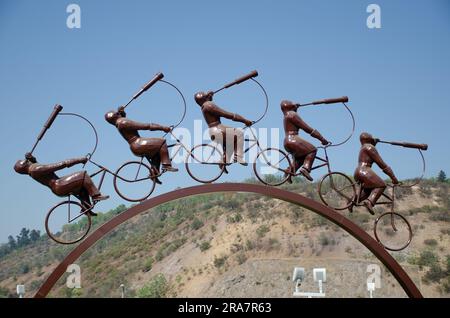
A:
(427, 258)
(24, 268)
(323, 239)
(220, 261)
(430, 242)
(4, 292)
(148, 264)
(196, 224)
(241, 258)
(156, 288)
(446, 285)
(443, 216)
(434, 274)
(205, 246)
(273, 242)
(231, 204)
(234, 218)
(262, 230)
(249, 245)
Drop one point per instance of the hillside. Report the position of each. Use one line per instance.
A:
(242, 245)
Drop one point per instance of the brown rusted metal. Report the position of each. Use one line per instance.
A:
(302, 151)
(377, 249)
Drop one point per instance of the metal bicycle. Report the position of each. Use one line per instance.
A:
(131, 173)
(340, 192)
(281, 168)
(69, 221)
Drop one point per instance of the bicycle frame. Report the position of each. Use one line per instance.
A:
(103, 170)
(390, 199)
(325, 162)
(179, 143)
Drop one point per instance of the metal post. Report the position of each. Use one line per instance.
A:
(122, 289)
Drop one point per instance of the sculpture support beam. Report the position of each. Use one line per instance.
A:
(377, 249)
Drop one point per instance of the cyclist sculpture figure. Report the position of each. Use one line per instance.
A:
(78, 183)
(304, 153)
(220, 133)
(372, 186)
(153, 149)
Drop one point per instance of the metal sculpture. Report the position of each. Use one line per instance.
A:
(301, 154)
(78, 184)
(339, 192)
(372, 186)
(219, 155)
(155, 150)
(377, 249)
(130, 173)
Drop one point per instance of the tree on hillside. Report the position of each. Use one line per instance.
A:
(35, 235)
(23, 238)
(11, 242)
(442, 177)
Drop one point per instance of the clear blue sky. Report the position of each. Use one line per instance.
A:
(397, 77)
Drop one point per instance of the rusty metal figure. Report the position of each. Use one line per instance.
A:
(155, 150)
(372, 186)
(78, 183)
(339, 192)
(219, 132)
(284, 165)
(303, 152)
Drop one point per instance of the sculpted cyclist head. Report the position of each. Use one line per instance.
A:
(287, 105)
(23, 166)
(112, 116)
(366, 138)
(202, 97)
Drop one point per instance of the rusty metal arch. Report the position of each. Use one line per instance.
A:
(391, 264)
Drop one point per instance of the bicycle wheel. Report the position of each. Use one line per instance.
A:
(133, 182)
(270, 166)
(393, 231)
(337, 190)
(67, 222)
(204, 163)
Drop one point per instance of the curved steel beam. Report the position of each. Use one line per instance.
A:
(396, 270)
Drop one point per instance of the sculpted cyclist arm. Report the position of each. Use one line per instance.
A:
(217, 111)
(38, 169)
(134, 125)
(373, 152)
(301, 124)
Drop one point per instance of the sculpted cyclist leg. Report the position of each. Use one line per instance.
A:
(372, 185)
(78, 183)
(153, 149)
(213, 114)
(303, 152)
